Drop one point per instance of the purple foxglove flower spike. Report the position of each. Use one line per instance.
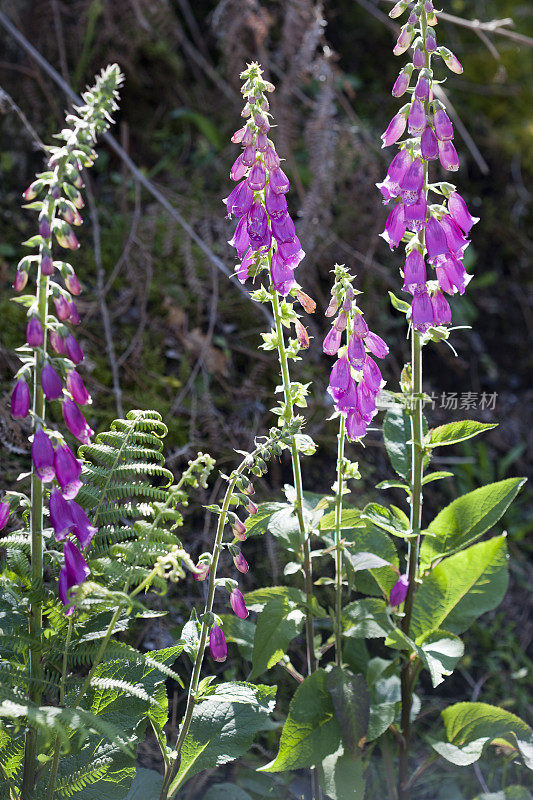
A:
(34, 332)
(82, 528)
(240, 200)
(238, 605)
(76, 422)
(77, 389)
(42, 453)
(74, 351)
(68, 470)
(282, 274)
(395, 129)
(332, 342)
(51, 383)
(73, 573)
(429, 145)
(20, 400)
(5, 510)
(395, 226)
(376, 345)
(460, 213)
(279, 183)
(399, 591)
(422, 310)
(412, 182)
(442, 313)
(414, 271)
(448, 156)
(443, 125)
(217, 644)
(60, 515)
(241, 563)
(356, 352)
(417, 117)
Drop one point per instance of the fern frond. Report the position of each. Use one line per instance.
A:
(86, 776)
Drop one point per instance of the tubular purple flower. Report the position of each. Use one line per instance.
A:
(51, 383)
(73, 573)
(278, 181)
(5, 510)
(348, 400)
(57, 343)
(404, 40)
(398, 9)
(341, 322)
(240, 200)
(460, 213)
(395, 129)
(82, 528)
(412, 182)
(257, 177)
(72, 283)
(442, 313)
(276, 204)
(430, 43)
(372, 375)
(60, 515)
(417, 117)
(20, 400)
(457, 241)
(239, 529)
(283, 228)
(251, 507)
(443, 125)
(422, 310)
(241, 238)
(238, 605)
(248, 155)
(34, 332)
(360, 328)
(419, 60)
(21, 279)
(68, 470)
(356, 352)
(366, 400)
(291, 252)
(332, 342)
(401, 84)
(271, 159)
(451, 61)
(436, 243)
(395, 226)
(262, 142)
(452, 276)
(76, 422)
(399, 591)
(448, 156)
(241, 563)
(77, 389)
(339, 379)
(47, 265)
(429, 145)
(376, 345)
(238, 170)
(422, 88)
(238, 135)
(415, 214)
(42, 454)
(356, 425)
(74, 351)
(243, 269)
(282, 274)
(414, 271)
(74, 316)
(62, 308)
(217, 644)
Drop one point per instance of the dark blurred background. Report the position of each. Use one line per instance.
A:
(184, 338)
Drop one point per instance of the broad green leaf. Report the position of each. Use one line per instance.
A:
(257, 600)
(370, 539)
(471, 726)
(440, 653)
(278, 624)
(284, 525)
(454, 432)
(350, 518)
(241, 632)
(225, 791)
(311, 731)
(386, 519)
(361, 561)
(366, 619)
(351, 703)
(467, 518)
(342, 776)
(190, 636)
(392, 485)
(396, 433)
(460, 589)
(146, 785)
(436, 476)
(223, 728)
(257, 524)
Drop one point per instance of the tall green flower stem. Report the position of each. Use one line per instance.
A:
(298, 486)
(339, 559)
(410, 667)
(57, 748)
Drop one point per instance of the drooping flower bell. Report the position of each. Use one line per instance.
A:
(217, 644)
(74, 572)
(42, 453)
(68, 470)
(76, 422)
(399, 591)
(238, 605)
(5, 510)
(20, 400)
(51, 383)
(240, 562)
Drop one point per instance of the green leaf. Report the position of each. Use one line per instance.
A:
(351, 703)
(350, 518)
(311, 731)
(366, 619)
(396, 433)
(372, 540)
(386, 519)
(467, 518)
(257, 524)
(454, 432)
(278, 624)
(190, 636)
(342, 776)
(436, 476)
(146, 784)
(284, 525)
(440, 653)
(305, 444)
(361, 561)
(225, 791)
(223, 727)
(393, 485)
(399, 305)
(257, 600)
(471, 726)
(460, 589)
(241, 632)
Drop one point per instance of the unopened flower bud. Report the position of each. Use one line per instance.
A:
(399, 591)
(34, 332)
(240, 562)
(239, 528)
(203, 571)
(238, 605)
(51, 383)
(72, 283)
(451, 60)
(5, 510)
(333, 307)
(217, 644)
(21, 279)
(20, 400)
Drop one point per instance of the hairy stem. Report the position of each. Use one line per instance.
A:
(338, 541)
(52, 780)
